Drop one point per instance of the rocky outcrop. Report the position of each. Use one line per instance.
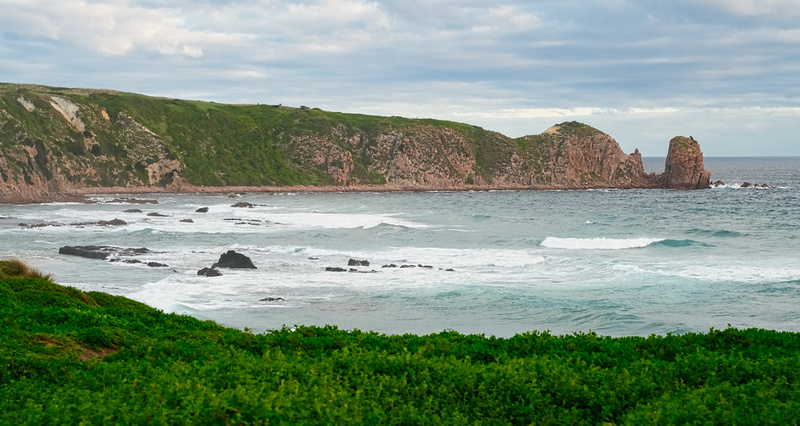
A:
(684, 166)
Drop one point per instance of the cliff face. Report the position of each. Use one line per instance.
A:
(54, 142)
(50, 145)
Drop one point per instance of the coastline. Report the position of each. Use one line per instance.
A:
(81, 194)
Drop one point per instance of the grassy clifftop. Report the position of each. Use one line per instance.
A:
(87, 357)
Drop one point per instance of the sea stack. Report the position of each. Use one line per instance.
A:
(684, 167)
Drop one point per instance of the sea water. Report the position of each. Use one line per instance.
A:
(617, 262)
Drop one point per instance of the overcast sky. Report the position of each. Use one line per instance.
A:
(726, 72)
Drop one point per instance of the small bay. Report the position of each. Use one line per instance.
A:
(618, 262)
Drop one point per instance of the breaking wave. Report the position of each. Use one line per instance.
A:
(598, 243)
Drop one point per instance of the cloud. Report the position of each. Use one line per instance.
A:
(566, 112)
(111, 29)
(776, 8)
(512, 65)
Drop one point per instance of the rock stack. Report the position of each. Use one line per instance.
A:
(684, 166)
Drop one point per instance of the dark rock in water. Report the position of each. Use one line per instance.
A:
(156, 265)
(425, 266)
(231, 259)
(125, 260)
(101, 252)
(271, 299)
(90, 252)
(313, 258)
(112, 222)
(719, 183)
(746, 184)
(450, 270)
(132, 211)
(209, 272)
(38, 225)
(202, 210)
(362, 272)
(335, 269)
(243, 204)
(156, 214)
(355, 262)
(408, 266)
(391, 265)
(186, 221)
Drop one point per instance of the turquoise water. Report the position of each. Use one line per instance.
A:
(618, 262)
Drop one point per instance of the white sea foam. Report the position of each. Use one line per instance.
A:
(340, 220)
(737, 273)
(598, 243)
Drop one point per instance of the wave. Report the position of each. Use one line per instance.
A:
(722, 233)
(598, 243)
(680, 243)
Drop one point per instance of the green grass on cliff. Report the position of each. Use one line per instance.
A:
(71, 357)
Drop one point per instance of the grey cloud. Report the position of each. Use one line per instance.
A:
(462, 60)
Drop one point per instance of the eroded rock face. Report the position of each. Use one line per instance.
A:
(684, 166)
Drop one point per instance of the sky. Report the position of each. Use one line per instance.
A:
(726, 72)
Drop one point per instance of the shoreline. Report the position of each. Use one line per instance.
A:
(82, 194)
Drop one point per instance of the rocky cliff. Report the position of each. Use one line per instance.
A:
(56, 142)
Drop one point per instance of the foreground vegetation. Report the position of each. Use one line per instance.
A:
(69, 356)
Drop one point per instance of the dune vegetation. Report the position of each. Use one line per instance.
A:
(69, 356)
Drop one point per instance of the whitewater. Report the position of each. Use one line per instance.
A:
(617, 262)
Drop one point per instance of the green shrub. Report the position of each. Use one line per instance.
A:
(64, 360)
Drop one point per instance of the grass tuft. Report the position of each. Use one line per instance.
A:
(18, 268)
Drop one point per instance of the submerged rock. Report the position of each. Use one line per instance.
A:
(355, 262)
(243, 204)
(272, 299)
(209, 272)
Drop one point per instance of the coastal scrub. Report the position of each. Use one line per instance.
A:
(70, 356)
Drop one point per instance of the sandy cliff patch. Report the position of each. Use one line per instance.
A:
(26, 103)
(69, 110)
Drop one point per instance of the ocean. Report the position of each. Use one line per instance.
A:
(616, 262)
